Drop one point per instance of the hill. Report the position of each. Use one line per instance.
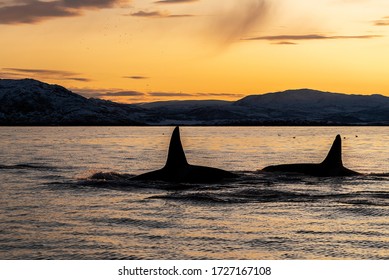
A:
(31, 102)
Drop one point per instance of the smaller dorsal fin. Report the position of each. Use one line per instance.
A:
(334, 157)
(176, 156)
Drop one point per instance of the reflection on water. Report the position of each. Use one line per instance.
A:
(67, 194)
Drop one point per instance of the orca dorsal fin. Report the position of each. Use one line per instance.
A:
(334, 157)
(176, 156)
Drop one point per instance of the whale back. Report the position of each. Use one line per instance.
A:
(334, 157)
(176, 156)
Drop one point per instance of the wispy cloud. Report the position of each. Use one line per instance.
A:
(220, 94)
(382, 22)
(45, 74)
(94, 4)
(310, 37)
(174, 1)
(352, 1)
(123, 93)
(41, 71)
(169, 94)
(101, 93)
(285, 43)
(158, 14)
(136, 96)
(78, 79)
(201, 95)
(136, 77)
(149, 14)
(9, 75)
(35, 11)
(235, 22)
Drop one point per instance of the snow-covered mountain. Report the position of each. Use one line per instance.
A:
(30, 102)
(304, 99)
(318, 106)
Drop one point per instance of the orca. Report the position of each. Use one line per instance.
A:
(177, 169)
(331, 166)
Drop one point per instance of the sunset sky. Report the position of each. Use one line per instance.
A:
(148, 50)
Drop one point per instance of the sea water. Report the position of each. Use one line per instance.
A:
(66, 193)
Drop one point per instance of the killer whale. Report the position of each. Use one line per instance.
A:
(177, 168)
(331, 166)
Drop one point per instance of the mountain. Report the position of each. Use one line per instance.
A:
(31, 102)
(318, 106)
(314, 100)
(190, 112)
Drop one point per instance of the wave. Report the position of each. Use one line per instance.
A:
(23, 166)
(113, 180)
(251, 187)
(275, 196)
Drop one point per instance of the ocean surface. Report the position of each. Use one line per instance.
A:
(66, 193)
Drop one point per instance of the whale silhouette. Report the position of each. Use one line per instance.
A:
(177, 169)
(331, 166)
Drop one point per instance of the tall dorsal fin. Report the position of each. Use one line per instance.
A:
(176, 156)
(334, 157)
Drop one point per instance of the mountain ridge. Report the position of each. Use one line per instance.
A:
(31, 102)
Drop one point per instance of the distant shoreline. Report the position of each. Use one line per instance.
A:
(33, 103)
(198, 125)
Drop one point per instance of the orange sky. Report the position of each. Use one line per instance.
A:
(141, 50)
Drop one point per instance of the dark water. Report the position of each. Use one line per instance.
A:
(66, 194)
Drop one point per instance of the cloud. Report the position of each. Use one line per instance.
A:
(148, 14)
(175, 1)
(45, 74)
(41, 71)
(239, 19)
(94, 4)
(35, 11)
(7, 75)
(180, 15)
(123, 93)
(157, 14)
(352, 1)
(382, 22)
(78, 79)
(310, 37)
(136, 77)
(220, 94)
(285, 43)
(120, 95)
(100, 93)
(169, 94)
(203, 95)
